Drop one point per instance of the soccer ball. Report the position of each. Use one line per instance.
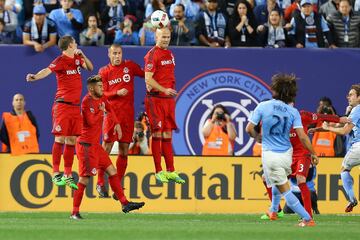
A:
(159, 19)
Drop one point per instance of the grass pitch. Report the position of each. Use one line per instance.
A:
(102, 226)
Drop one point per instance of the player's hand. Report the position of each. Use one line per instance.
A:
(79, 52)
(345, 120)
(311, 131)
(314, 159)
(122, 92)
(170, 92)
(325, 126)
(102, 107)
(30, 77)
(117, 131)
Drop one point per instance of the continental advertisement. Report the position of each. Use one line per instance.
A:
(213, 185)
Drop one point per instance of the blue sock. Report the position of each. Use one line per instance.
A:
(293, 202)
(348, 183)
(276, 197)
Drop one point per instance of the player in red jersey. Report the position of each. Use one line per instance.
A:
(90, 153)
(301, 160)
(160, 104)
(118, 81)
(66, 108)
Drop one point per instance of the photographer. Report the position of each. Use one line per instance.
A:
(219, 133)
(182, 29)
(139, 146)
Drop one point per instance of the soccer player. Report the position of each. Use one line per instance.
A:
(118, 81)
(352, 157)
(277, 118)
(66, 108)
(90, 153)
(160, 104)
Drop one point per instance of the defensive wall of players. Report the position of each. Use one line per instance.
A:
(213, 185)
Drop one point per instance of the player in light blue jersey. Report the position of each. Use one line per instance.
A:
(278, 117)
(352, 157)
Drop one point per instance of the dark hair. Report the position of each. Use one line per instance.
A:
(235, 18)
(284, 87)
(218, 106)
(93, 79)
(65, 41)
(92, 15)
(326, 99)
(356, 87)
(180, 5)
(348, 1)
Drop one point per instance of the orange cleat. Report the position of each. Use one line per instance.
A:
(272, 215)
(310, 223)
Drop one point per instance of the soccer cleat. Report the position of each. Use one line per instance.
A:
(310, 223)
(280, 214)
(76, 216)
(173, 176)
(57, 180)
(70, 182)
(101, 189)
(266, 216)
(132, 206)
(161, 177)
(351, 205)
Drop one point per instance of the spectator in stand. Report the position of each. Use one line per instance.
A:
(242, 26)
(19, 131)
(136, 8)
(13, 5)
(211, 26)
(92, 35)
(309, 28)
(147, 34)
(294, 8)
(261, 12)
(127, 35)
(272, 34)
(329, 8)
(69, 21)
(87, 7)
(139, 145)
(39, 32)
(9, 17)
(182, 28)
(227, 6)
(5, 37)
(48, 4)
(191, 9)
(345, 26)
(219, 133)
(153, 6)
(112, 17)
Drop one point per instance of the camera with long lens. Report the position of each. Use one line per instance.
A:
(140, 134)
(220, 116)
(326, 110)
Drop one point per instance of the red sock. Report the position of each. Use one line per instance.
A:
(121, 164)
(69, 151)
(168, 154)
(78, 195)
(306, 197)
(56, 156)
(117, 189)
(100, 174)
(156, 152)
(268, 190)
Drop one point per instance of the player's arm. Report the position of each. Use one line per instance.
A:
(40, 75)
(338, 130)
(250, 129)
(87, 63)
(154, 84)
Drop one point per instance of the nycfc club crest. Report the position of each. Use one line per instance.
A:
(239, 91)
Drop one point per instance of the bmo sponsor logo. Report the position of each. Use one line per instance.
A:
(240, 92)
(126, 78)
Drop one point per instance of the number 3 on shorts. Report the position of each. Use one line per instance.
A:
(301, 169)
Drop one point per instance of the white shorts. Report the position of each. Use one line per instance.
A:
(352, 157)
(277, 166)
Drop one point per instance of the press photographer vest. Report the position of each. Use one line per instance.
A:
(217, 143)
(323, 143)
(22, 134)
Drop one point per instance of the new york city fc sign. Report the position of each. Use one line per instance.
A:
(240, 92)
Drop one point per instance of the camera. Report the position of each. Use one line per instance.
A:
(220, 116)
(140, 134)
(327, 110)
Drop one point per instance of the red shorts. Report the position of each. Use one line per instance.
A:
(91, 157)
(127, 127)
(300, 166)
(66, 120)
(161, 113)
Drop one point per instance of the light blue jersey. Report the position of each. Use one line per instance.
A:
(355, 119)
(277, 119)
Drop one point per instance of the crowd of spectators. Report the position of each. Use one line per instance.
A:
(212, 23)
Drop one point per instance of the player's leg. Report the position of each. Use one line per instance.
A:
(100, 185)
(269, 190)
(78, 196)
(69, 152)
(302, 169)
(122, 160)
(57, 150)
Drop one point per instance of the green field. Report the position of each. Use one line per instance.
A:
(104, 226)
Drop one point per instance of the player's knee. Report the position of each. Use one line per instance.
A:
(84, 180)
(157, 134)
(60, 139)
(300, 179)
(111, 170)
(70, 140)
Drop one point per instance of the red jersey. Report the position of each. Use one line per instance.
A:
(308, 118)
(92, 118)
(161, 62)
(115, 78)
(68, 76)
